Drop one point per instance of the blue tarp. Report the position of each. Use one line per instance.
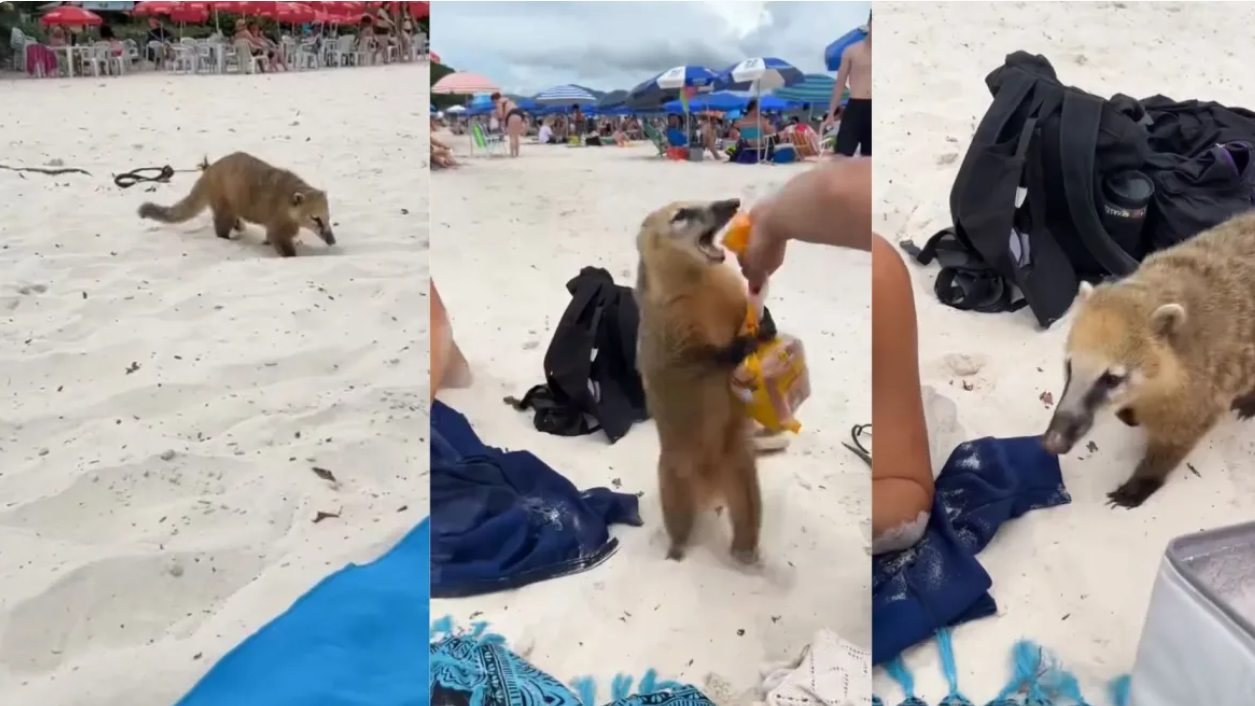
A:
(358, 638)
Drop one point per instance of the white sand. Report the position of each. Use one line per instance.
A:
(1076, 578)
(124, 576)
(509, 234)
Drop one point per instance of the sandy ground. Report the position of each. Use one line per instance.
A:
(1077, 578)
(508, 236)
(166, 392)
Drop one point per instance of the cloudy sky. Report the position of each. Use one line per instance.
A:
(527, 47)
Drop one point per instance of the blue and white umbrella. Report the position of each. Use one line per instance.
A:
(565, 95)
(667, 85)
(834, 52)
(760, 74)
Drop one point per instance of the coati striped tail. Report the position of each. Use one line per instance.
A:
(184, 210)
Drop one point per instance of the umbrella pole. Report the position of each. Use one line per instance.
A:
(762, 139)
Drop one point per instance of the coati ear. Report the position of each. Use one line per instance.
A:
(1083, 292)
(298, 198)
(1168, 320)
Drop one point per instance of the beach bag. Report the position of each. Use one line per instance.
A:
(773, 381)
(1026, 206)
(591, 380)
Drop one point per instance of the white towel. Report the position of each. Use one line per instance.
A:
(831, 672)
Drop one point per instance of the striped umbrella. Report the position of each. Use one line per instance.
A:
(565, 95)
(815, 89)
(666, 86)
(759, 74)
(832, 55)
(464, 83)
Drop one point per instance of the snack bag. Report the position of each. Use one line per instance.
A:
(773, 381)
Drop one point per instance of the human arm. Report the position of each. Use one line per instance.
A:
(843, 76)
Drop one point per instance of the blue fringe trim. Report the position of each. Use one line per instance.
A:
(945, 645)
(585, 687)
(898, 671)
(1118, 690)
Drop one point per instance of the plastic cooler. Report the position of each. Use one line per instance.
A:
(1198, 644)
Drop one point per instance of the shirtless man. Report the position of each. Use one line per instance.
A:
(856, 119)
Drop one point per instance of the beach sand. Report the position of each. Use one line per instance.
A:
(508, 235)
(1076, 578)
(167, 393)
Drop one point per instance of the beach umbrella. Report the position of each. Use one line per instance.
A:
(832, 55)
(565, 95)
(815, 89)
(455, 109)
(666, 86)
(435, 58)
(71, 16)
(760, 74)
(418, 10)
(464, 83)
(290, 12)
(190, 13)
(154, 7)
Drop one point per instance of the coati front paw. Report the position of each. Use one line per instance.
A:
(675, 553)
(1133, 492)
(747, 556)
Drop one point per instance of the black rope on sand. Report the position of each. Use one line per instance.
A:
(131, 178)
(858, 448)
(43, 170)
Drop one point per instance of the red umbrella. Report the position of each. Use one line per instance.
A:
(191, 13)
(418, 10)
(290, 12)
(71, 15)
(335, 7)
(243, 7)
(435, 58)
(155, 7)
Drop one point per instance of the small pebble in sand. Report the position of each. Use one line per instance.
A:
(176, 570)
(1092, 447)
(167, 455)
(1047, 398)
(968, 386)
(133, 367)
(947, 159)
(43, 452)
(531, 345)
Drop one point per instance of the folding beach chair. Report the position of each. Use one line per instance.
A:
(655, 137)
(483, 141)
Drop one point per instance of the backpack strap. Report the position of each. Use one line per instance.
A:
(1078, 142)
(553, 416)
(965, 282)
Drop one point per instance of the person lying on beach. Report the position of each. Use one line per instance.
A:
(831, 205)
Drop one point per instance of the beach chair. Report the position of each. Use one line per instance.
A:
(483, 141)
(804, 144)
(655, 137)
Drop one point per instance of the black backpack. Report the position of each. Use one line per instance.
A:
(1023, 203)
(591, 381)
(1059, 185)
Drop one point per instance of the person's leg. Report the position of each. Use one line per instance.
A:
(865, 133)
(449, 368)
(902, 477)
(847, 133)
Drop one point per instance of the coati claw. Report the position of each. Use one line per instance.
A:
(1133, 492)
(675, 554)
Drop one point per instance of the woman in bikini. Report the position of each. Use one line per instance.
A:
(512, 118)
(406, 36)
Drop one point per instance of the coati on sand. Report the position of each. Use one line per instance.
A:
(240, 187)
(692, 308)
(1171, 347)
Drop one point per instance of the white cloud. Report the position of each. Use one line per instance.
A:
(529, 46)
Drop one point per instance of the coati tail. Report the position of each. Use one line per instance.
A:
(184, 210)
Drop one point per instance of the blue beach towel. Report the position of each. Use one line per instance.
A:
(938, 582)
(501, 520)
(467, 671)
(358, 638)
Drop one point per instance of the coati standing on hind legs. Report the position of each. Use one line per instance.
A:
(1170, 347)
(241, 187)
(692, 310)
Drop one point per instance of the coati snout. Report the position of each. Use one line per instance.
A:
(695, 225)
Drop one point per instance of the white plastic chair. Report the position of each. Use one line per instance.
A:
(345, 49)
(96, 56)
(205, 57)
(307, 55)
(244, 57)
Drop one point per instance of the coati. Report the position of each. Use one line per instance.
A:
(1171, 348)
(241, 187)
(692, 308)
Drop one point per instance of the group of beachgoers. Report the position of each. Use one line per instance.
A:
(377, 34)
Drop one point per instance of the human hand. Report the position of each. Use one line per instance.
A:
(764, 253)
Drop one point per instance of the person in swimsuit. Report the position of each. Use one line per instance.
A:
(512, 118)
(855, 132)
(383, 33)
(407, 35)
